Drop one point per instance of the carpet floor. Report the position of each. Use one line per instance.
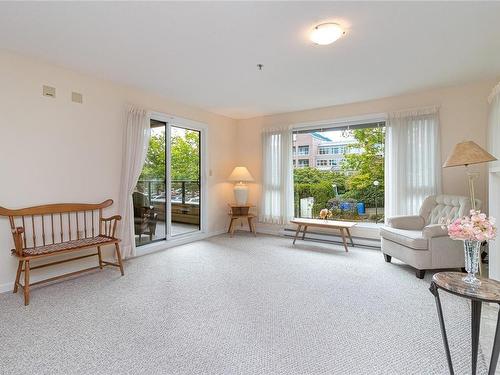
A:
(239, 305)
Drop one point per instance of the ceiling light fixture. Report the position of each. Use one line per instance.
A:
(326, 33)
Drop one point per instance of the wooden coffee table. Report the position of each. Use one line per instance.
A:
(342, 226)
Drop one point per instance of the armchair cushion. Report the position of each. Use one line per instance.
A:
(409, 238)
(407, 222)
(434, 230)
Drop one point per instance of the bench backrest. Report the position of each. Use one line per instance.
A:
(57, 223)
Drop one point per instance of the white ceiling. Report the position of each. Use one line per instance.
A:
(205, 53)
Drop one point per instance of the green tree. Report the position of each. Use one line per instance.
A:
(313, 182)
(154, 165)
(309, 175)
(184, 157)
(365, 166)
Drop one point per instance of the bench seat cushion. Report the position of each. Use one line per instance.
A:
(69, 245)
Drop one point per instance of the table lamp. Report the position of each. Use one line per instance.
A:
(466, 153)
(240, 175)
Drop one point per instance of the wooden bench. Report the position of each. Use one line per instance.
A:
(330, 224)
(56, 229)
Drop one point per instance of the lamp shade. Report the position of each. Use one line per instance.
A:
(466, 153)
(240, 174)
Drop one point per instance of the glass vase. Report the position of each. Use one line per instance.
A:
(471, 250)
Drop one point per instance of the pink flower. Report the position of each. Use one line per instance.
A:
(477, 227)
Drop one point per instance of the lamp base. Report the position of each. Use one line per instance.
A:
(240, 194)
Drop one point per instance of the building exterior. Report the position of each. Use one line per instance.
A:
(318, 151)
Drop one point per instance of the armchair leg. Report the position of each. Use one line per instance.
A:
(387, 258)
(420, 274)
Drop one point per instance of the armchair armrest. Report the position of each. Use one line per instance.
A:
(435, 230)
(406, 222)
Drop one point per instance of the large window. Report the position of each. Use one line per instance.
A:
(172, 162)
(346, 175)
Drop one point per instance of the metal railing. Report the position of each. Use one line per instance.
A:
(156, 190)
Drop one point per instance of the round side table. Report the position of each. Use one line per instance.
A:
(487, 291)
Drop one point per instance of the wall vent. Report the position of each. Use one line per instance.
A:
(76, 97)
(49, 91)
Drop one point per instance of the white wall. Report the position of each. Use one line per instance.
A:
(463, 116)
(54, 150)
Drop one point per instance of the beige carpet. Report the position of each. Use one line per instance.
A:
(237, 306)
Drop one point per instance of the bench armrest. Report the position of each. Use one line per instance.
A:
(115, 217)
(407, 222)
(435, 230)
(110, 224)
(17, 233)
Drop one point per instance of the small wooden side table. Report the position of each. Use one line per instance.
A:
(241, 212)
(487, 291)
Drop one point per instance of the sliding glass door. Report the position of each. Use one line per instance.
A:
(185, 189)
(167, 198)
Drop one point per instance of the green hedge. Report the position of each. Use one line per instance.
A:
(322, 193)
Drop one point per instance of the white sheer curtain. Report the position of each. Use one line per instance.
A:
(494, 176)
(412, 160)
(494, 126)
(135, 146)
(277, 179)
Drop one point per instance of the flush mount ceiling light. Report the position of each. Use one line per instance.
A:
(326, 33)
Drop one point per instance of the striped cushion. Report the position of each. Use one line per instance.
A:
(75, 244)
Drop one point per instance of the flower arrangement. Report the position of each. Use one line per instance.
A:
(475, 227)
(473, 230)
(325, 214)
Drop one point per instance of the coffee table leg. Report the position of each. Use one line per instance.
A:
(343, 239)
(349, 234)
(496, 349)
(297, 233)
(434, 290)
(304, 232)
(475, 326)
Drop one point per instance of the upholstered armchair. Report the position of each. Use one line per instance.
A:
(421, 241)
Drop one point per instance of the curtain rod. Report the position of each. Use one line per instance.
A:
(365, 125)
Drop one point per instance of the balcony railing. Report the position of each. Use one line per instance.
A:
(182, 191)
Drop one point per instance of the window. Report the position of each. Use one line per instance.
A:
(324, 150)
(322, 163)
(303, 150)
(332, 181)
(303, 163)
